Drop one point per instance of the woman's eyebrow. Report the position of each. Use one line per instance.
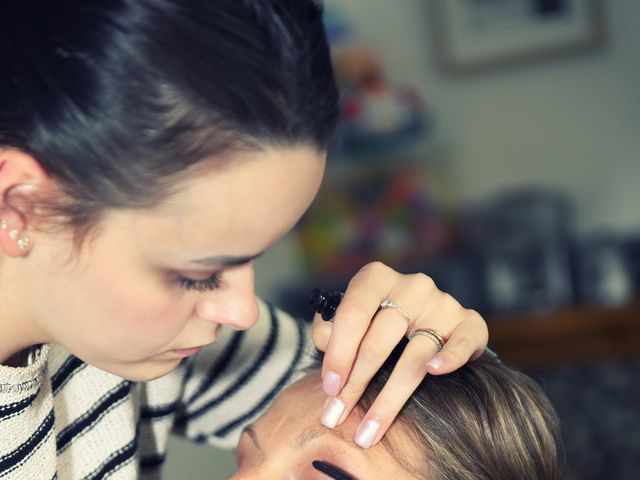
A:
(226, 260)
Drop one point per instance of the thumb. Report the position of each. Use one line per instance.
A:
(321, 332)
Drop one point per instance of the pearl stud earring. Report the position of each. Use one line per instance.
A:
(23, 243)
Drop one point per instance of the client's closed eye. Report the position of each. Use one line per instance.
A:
(331, 471)
(250, 454)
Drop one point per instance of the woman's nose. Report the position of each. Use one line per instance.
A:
(235, 303)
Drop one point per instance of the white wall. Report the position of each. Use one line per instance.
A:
(571, 122)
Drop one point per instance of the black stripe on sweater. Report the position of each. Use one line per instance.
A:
(69, 368)
(243, 379)
(107, 403)
(15, 458)
(13, 409)
(268, 398)
(116, 460)
(153, 413)
(219, 366)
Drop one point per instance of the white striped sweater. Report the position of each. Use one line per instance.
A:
(61, 418)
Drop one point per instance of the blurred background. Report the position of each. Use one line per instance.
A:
(494, 145)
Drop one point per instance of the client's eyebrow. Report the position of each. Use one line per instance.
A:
(311, 433)
(226, 260)
(306, 436)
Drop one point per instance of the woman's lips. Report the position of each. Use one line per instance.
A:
(186, 352)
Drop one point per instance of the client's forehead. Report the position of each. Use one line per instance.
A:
(300, 406)
(294, 419)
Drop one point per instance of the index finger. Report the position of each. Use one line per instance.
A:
(362, 298)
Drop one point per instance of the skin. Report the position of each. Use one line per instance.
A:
(118, 305)
(287, 438)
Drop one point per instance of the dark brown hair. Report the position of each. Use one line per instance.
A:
(118, 100)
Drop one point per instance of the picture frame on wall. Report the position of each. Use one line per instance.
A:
(476, 35)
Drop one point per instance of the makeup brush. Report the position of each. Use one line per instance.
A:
(325, 302)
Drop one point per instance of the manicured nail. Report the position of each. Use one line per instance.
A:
(366, 433)
(332, 413)
(436, 363)
(331, 384)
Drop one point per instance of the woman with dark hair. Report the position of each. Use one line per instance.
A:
(484, 421)
(149, 151)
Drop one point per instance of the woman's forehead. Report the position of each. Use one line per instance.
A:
(241, 209)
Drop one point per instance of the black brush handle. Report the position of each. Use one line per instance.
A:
(325, 302)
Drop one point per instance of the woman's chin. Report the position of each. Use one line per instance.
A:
(143, 371)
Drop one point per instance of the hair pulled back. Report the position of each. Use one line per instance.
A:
(119, 99)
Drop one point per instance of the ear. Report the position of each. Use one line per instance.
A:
(22, 180)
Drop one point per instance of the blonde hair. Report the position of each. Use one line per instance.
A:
(484, 421)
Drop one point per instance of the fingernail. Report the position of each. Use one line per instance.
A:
(367, 433)
(332, 413)
(331, 384)
(436, 363)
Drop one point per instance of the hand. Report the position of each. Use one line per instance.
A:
(362, 336)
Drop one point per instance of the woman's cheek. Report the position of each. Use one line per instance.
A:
(164, 321)
(153, 320)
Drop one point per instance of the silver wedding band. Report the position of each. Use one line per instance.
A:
(432, 335)
(389, 304)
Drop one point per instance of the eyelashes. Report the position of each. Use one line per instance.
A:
(206, 285)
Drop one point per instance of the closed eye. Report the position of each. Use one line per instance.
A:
(331, 471)
(206, 285)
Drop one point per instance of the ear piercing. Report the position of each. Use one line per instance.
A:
(23, 242)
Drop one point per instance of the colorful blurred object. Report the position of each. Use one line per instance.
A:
(377, 113)
(380, 116)
(380, 214)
